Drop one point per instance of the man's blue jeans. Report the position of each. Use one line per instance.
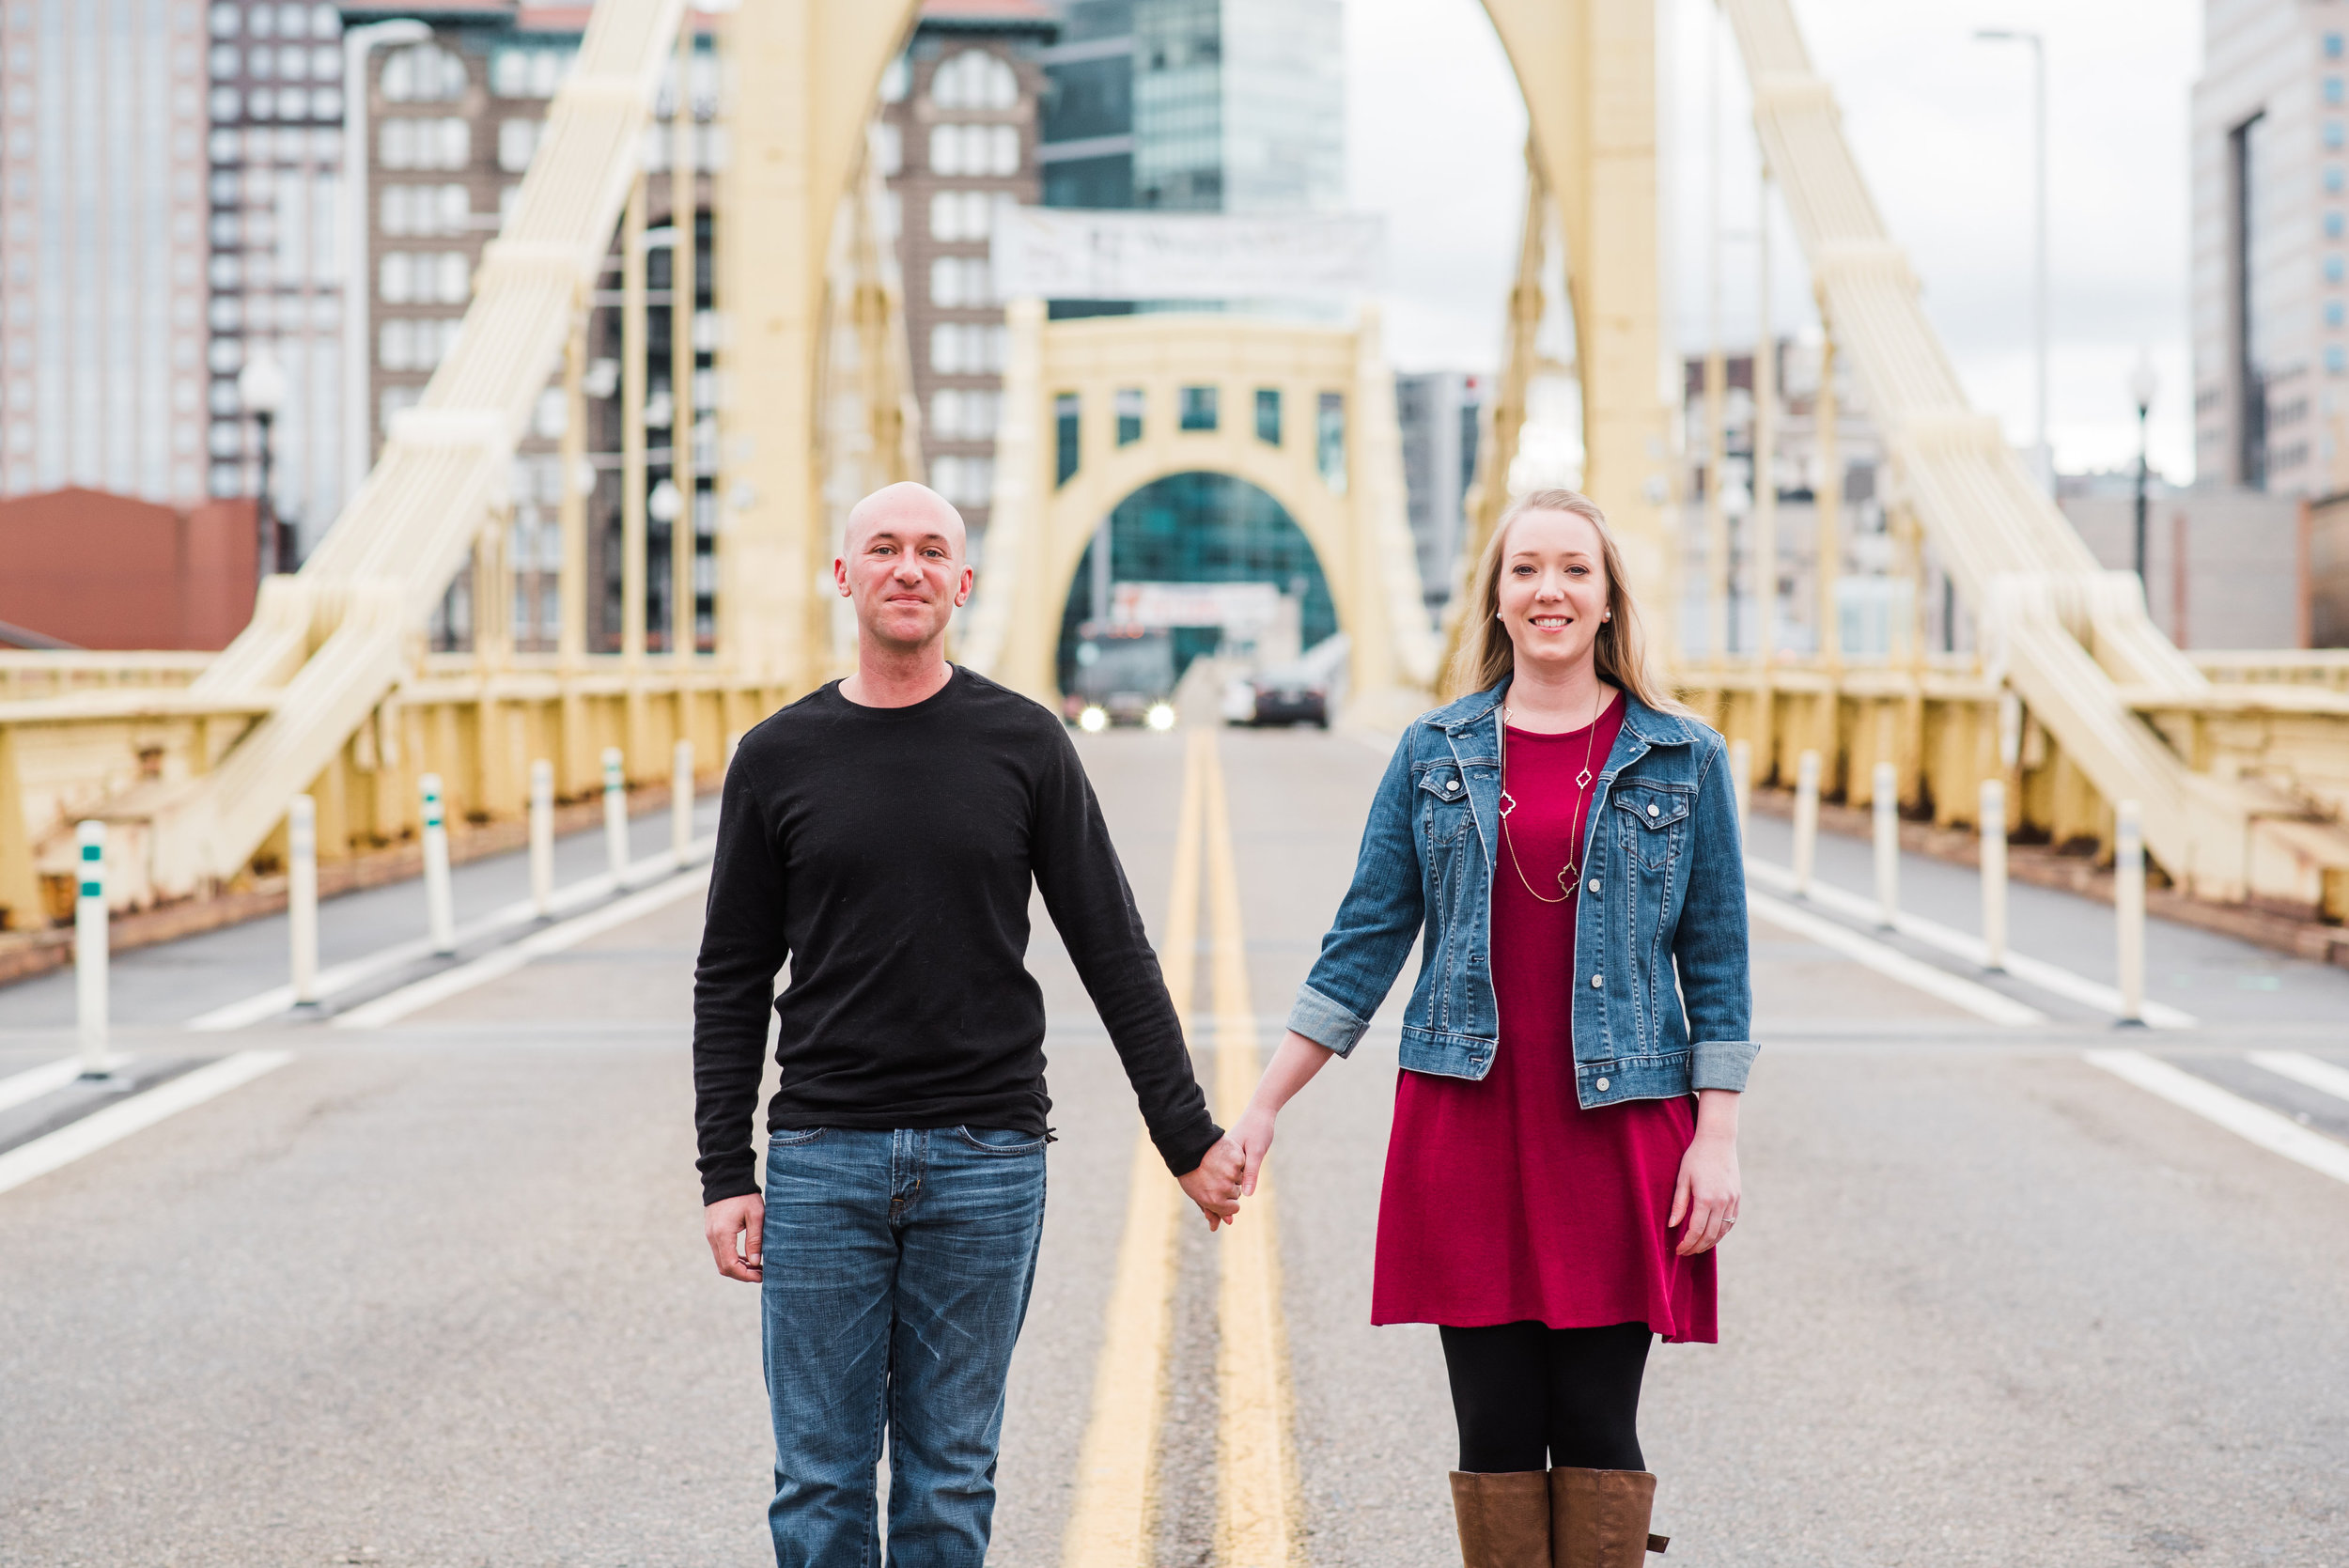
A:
(897, 1272)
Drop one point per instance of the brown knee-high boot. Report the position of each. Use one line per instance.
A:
(1503, 1519)
(1598, 1518)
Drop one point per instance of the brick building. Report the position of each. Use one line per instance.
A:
(958, 133)
(94, 570)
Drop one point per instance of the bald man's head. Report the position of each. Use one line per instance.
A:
(912, 511)
(903, 564)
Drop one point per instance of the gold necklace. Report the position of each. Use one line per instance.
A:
(1569, 873)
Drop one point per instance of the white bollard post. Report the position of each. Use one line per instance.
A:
(1884, 802)
(681, 801)
(615, 815)
(1741, 779)
(89, 951)
(1994, 873)
(2128, 904)
(1805, 821)
(542, 838)
(439, 911)
(302, 898)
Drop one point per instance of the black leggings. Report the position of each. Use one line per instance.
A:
(1528, 1396)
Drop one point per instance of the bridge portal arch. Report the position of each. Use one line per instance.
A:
(1096, 408)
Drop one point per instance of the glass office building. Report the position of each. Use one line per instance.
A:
(1197, 105)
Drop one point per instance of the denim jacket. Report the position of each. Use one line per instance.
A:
(1663, 889)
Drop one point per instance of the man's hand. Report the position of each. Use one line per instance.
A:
(1215, 1186)
(736, 1229)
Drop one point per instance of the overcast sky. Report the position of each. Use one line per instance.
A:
(1942, 127)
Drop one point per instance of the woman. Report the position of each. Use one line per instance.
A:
(1565, 1154)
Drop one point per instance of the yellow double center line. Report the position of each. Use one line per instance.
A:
(1113, 1523)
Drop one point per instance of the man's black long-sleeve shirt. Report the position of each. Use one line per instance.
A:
(887, 853)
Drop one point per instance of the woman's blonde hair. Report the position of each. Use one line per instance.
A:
(1486, 656)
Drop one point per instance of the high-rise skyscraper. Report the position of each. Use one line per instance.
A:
(1198, 105)
(2271, 300)
(102, 264)
(277, 265)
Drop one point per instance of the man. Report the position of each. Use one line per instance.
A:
(882, 834)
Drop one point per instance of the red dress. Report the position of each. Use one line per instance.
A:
(1505, 1202)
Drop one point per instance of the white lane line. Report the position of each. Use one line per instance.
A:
(342, 977)
(2048, 977)
(2277, 1134)
(1981, 1000)
(46, 1078)
(119, 1121)
(2301, 1067)
(506, 960)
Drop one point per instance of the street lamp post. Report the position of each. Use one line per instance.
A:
(2041, 453)
(358, 277)
(2141, 389)
(261, 389)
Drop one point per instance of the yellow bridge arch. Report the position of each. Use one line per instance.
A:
(329, 689)
(1351, 510)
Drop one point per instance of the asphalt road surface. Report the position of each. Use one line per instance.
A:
(435, 1293)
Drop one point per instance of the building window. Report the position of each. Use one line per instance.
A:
(968, 151)
(1330, 440)
(1128, 415)
(2332, 224)
(2332, 178)
(427, 144)
(964, 481)
(2333, 137)
(424, 278)
(974, 79)
(959, 349)
(2332, 89)
(227, 19)
(2335, 360)
(517, 140)
(523, 71)
(888, 149)
(1198, 405)
(422, 74)
(957, 215)
(2335, 313)
(2332, 46)
(965, 416)
(426, 210)
(959, 282)
(2332, 268)
(1268, 415)
(1065, 436)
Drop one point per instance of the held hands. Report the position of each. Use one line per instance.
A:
(1229, 1171)
(1216, 1185)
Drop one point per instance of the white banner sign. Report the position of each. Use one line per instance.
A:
(1055, 253)
(1239, 607)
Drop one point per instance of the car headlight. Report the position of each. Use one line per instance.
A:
(1161, 716)
(1093, 720)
